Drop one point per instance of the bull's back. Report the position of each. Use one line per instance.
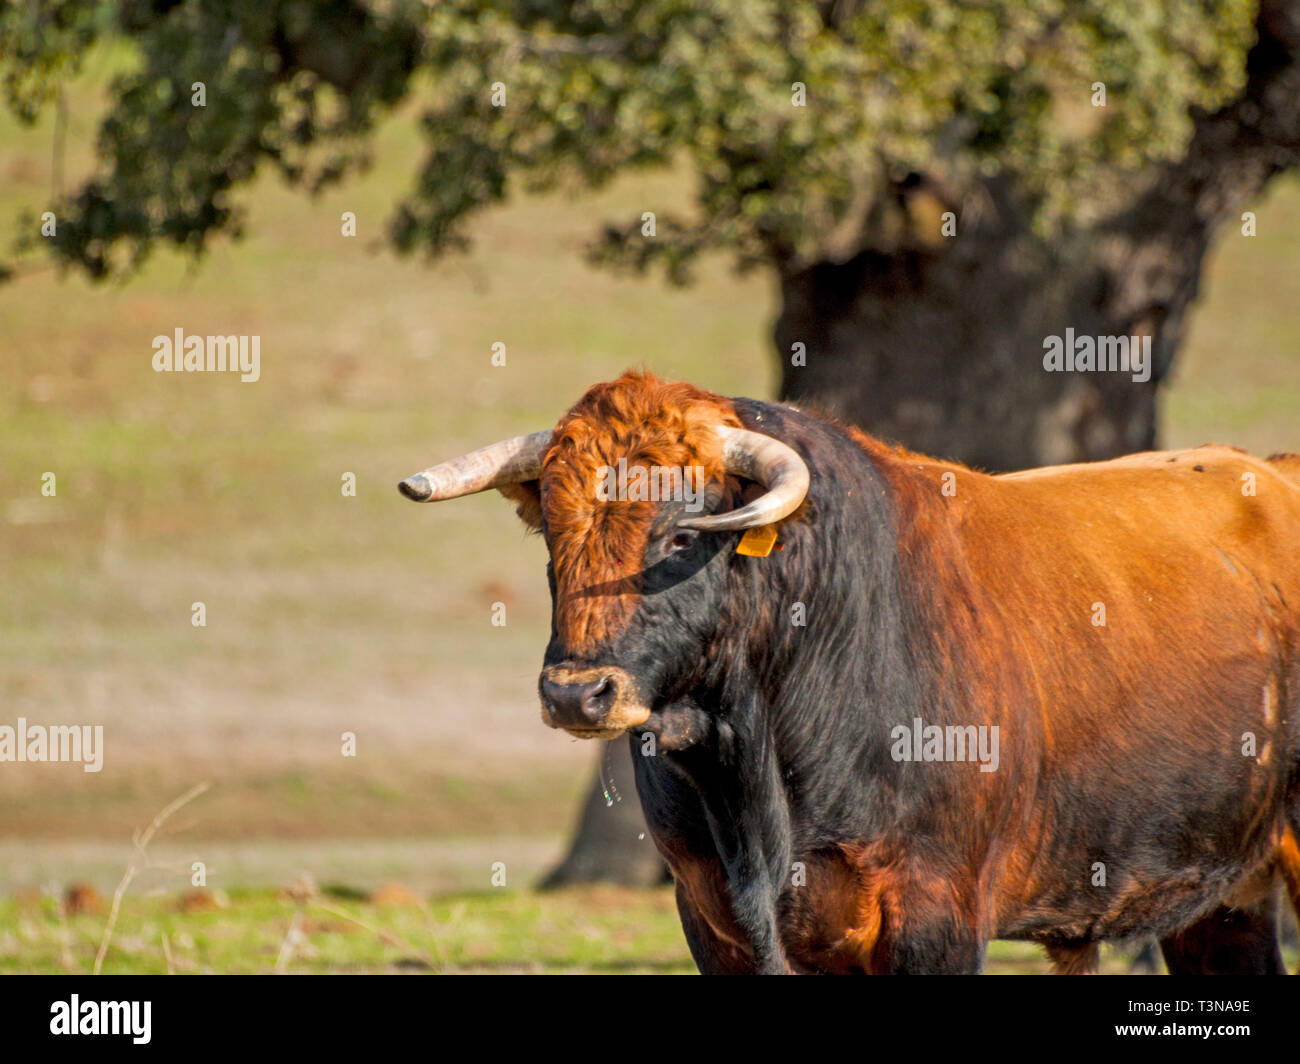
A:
(1187, 557)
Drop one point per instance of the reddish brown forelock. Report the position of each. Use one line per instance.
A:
(597, 547)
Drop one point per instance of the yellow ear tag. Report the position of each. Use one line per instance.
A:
(757, 542)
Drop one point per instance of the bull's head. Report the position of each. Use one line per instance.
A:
(637, 583)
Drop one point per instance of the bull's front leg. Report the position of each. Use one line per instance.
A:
(753, 887)
(714, 952)
(679, 823)
(720, 817)
(740, 787)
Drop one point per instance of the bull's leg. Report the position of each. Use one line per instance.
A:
(727, 908)
(754, 902)
(743, 806)
(713, 955)
(1227, 942)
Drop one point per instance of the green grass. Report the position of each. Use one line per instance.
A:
(602, 930)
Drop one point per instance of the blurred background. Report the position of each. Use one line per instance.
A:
(946, 193)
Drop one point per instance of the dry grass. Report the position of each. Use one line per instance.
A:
(140, 841)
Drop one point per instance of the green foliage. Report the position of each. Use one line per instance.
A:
(965, 93)
(40, 43)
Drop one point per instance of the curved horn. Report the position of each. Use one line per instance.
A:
(506, 462)
(767, 461)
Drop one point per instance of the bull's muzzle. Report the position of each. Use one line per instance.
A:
(592, 703)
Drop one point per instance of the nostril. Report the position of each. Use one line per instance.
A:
(552, 693)
(600, 699)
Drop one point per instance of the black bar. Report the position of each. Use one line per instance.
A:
(339, 1013)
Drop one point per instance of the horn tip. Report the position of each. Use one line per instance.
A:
(416, 488)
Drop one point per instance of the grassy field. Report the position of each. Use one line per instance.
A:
(328, 614)
(601, 930)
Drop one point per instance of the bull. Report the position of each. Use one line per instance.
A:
(1125, 633)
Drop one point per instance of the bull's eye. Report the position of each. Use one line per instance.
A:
(682, 540)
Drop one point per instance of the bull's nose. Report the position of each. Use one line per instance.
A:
(579, 705)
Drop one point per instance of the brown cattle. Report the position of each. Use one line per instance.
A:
(1060, 705)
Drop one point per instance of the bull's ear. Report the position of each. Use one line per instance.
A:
(528, 502)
